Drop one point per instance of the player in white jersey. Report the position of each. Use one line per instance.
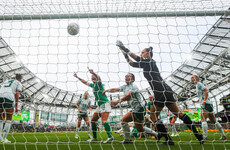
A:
(206, 107)
(83, 105)
(9, 97)
(132, 96)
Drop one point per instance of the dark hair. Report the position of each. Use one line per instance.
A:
(18, 76)
(132, 76)
(150, 50)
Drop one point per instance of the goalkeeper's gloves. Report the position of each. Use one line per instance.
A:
(122, 47)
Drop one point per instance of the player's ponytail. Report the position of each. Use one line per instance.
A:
(150, 50)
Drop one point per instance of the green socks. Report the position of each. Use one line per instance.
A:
(108, 129)
(94, 129)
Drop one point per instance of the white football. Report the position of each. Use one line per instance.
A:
(73, 28)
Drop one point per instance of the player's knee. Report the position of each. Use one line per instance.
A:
(123, 122)
(140, 129)
(93, 122)
(103, 122)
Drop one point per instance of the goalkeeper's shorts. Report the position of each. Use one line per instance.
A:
(162, 99)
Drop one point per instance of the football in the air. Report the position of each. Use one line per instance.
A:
(73, 28)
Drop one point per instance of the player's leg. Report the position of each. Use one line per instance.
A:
(174, 131)
(160, 127)
(138, 118)
(78, 125)
(204, 115)
(187, 121)
(125, 126)
(218, 125)
(8, 107)
(170, 121)
(104, 119)
(2, 117)
(146, 120)
(105, 111)
(88, 125)
(6, 130)
(152, 124)
(94, 119)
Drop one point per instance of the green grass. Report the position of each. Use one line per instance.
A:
(66, 141)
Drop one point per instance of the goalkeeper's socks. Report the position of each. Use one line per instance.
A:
(108, 129)
(1, 127)
(188, 122)
(94, 129)
(6, 129)
(126, 131)
(219, 127)
(162, 130)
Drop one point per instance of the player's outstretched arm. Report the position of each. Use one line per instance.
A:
(82, 80)
(126, 51)
(110, 90)
(124, 98)
(96, 75)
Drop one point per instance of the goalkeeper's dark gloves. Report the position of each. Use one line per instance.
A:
(122, 47)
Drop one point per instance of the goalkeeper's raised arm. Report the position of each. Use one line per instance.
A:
(126, 51)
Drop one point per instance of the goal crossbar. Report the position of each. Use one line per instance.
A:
(116, 15)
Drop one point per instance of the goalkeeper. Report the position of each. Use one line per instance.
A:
(103, 109)
(163, 94)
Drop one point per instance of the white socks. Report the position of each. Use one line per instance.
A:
(6, 129)
(126, 131)
(174, 129)
(88, 129)
(219, 127)
(77, 130)
(1, 127)
(204, 126)
(150, 131)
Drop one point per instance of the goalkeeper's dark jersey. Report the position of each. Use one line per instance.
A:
(152, 74)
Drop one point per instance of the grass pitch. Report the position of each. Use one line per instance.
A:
(67, 141)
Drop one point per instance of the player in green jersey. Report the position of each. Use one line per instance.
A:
(103, 109)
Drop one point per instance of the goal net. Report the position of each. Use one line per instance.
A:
(188, 37)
